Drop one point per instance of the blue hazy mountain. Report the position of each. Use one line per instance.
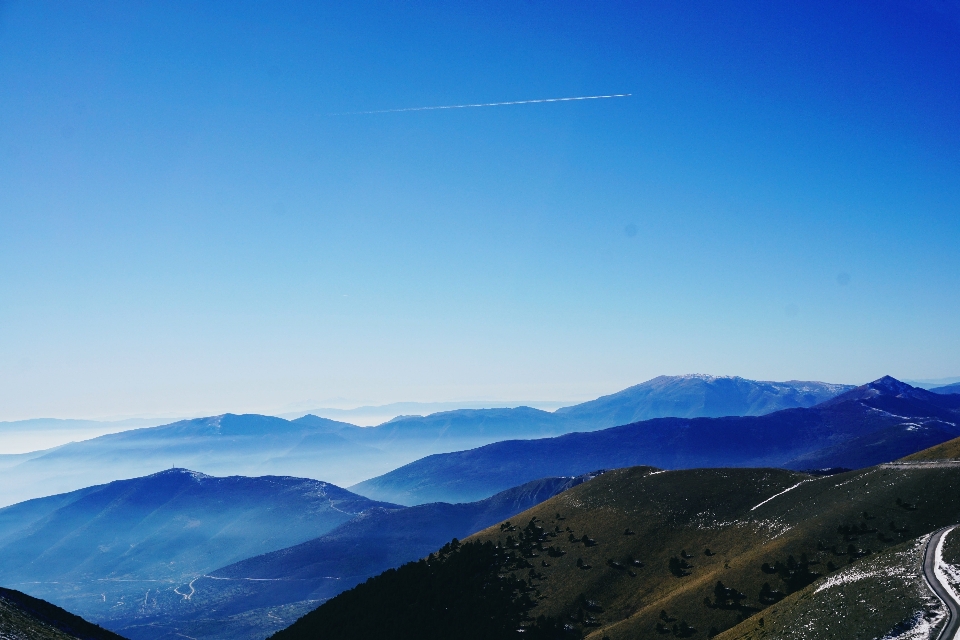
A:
(223, 445)
(372, 415)
(165, 526)
(344, 454)
(950, 388)
(854, 429)
(24, 436)
(263, 593)
(702, 396)
(459, 426)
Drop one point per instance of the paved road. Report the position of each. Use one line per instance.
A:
(952, 630)
(921, 464)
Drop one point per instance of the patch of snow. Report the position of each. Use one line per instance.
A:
(779, 494)
(918, 627)
(774, 527)
(905, 561)
(953, 576)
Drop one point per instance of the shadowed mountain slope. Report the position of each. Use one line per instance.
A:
(878, 422)
(23, 617)
(688, 553)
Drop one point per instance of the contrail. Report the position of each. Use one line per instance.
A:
(486, 104)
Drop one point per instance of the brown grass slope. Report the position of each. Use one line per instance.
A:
(949, 450)
(732, 512)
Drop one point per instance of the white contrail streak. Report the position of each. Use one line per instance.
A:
(486, 104)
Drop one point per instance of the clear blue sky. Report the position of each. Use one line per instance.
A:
(185, 227)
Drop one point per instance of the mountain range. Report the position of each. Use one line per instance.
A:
(883, 420)
(345, 454)
(701, 396)
(180, 553)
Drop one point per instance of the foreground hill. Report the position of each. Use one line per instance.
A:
(878, 422)
(343, 453)
(688, 553)
(23, 617)
(259, 595)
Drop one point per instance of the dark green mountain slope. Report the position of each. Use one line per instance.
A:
(635, 552)
(23, 617)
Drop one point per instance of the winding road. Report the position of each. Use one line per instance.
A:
(930, 556)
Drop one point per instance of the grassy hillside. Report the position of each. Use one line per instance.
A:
(26, 618)
(637, 553)
(691, 511)
(949, 450)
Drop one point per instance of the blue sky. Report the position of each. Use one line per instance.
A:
(185, 227)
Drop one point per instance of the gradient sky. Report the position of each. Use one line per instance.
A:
(185, 228)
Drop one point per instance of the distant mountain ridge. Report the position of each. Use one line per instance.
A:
(704, 396)
(345, 454)
(950, 388)
(877, 422)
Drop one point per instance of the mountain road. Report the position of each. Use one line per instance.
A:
(931, 556)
